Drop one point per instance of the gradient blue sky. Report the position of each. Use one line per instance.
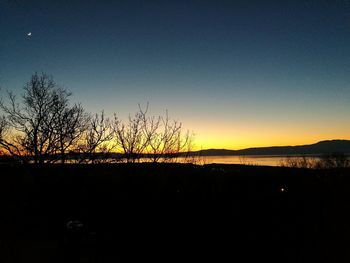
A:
(237, 73)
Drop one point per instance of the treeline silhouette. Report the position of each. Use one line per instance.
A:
(45, 127)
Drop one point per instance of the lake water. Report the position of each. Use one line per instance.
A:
(270, 160)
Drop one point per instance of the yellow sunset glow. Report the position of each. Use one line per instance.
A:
(245, 137)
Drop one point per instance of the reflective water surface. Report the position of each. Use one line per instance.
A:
(270, 160)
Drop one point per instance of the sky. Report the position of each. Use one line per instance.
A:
(236, 73)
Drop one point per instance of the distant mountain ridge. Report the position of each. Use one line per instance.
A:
(319, 148)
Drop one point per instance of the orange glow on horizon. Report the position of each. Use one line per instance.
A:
(234, 138)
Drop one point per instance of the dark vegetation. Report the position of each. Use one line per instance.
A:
(173, 212)
(43, 126)
(326, 161)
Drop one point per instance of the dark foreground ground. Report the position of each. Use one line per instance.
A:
(162, 213)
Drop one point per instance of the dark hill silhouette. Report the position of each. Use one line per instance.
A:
(319, 148)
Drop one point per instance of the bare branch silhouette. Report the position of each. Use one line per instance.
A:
(130, 137)
(96, 139)
(43, 126)
(158, 138)
(165, 137)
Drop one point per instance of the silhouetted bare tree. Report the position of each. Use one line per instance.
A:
(165, 138)
(156, 137)
(30, 135)
(3, 130)
(68, 122)
(3, 127)
(130, 137)
(44, 125)
(96, 139)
